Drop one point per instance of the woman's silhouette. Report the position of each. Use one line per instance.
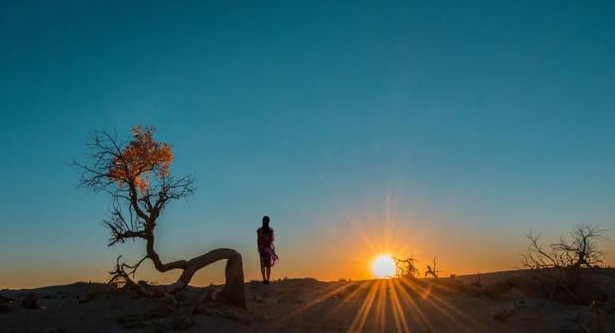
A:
(266, 250)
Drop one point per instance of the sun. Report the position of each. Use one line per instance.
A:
(383, 266)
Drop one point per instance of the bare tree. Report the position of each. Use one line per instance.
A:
(136, 174)
(558, 266)
(406, 267)
(432, 270)
(581, 251)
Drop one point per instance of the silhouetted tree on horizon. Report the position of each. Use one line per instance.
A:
(406, 267)
(582, 250)
(136, 174)
(432, 270)
(559, 268)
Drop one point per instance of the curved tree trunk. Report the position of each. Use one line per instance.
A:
(155, 258)
(233, 291)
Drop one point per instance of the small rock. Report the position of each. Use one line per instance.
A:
(85, 298)
(519, 305)
(182, 320)
(131, 318)
(162, 327)
(30, 302)
(201, 309)
(5, 299)
(535, 319)
(576, 318)
(579, 329)
(6, 307)
(135, 324)
(233, 315)
(88, 295)
(6, 304)
(168, 301)
(504, 314)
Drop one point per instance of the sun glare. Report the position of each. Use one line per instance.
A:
(383, 266)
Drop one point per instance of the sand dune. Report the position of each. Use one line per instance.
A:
(307, 305)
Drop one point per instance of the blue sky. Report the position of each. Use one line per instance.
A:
(479, 120)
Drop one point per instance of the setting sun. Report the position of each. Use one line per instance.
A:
(383, 266)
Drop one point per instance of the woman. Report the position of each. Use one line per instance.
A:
(266, 250)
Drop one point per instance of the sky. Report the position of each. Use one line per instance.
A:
(440, 129)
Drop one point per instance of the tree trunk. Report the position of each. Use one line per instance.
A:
(233, 291)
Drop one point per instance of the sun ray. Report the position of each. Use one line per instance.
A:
(418, 313)
(380, 319)
(350, 297)
(322, 296)
(419, 291)
(401, 324)
(443, 307)
(361, 316)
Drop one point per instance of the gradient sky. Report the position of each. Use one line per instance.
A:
(438, 128)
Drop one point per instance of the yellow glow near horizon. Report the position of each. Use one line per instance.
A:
(383, 266)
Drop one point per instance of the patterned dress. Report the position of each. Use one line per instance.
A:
(266, 249)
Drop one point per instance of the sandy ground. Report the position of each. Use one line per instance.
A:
(307, 305)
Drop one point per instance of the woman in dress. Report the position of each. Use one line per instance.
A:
(266, 249)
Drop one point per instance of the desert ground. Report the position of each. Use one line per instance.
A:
(472, 303)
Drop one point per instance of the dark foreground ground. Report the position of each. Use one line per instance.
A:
(307, 305)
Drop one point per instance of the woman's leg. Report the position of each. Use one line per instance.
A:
(268, 273)
(263, 272)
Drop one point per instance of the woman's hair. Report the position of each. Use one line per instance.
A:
(266, 227)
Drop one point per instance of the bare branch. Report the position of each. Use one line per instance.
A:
(432, 270)
(406, 267)
(582, 250)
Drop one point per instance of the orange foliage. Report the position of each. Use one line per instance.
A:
(141, 158)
